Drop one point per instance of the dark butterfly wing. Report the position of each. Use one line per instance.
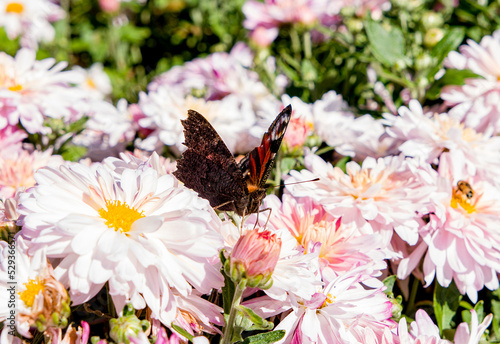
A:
(257, 165)
(208, 167)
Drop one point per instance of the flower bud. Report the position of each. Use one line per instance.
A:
(433, 36)
(254, 258)
(128, 325)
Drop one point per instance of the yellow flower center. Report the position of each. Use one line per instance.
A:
(33, 288)
(90, 83)
(463, 195)
(329, 300)
(15, 88)
(446, 123)
(120, 216)
(14, 7)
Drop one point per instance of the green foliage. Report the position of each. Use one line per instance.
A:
(446, 304)
(264, 338)
(388, 47)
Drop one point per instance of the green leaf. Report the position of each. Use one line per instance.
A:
(133, 34)
(387, 46)
(342, 162)
(450, 77)
(257, 323)
(449, 42)
(287, 164)
(73, 153)
(389, 283)
(182, 332)
(264, 338)
(446, 303)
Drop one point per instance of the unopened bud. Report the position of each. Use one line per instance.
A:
(254, 258)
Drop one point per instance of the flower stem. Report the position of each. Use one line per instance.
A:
(229, 330)
(413, 295)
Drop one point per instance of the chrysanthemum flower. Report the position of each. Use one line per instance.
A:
(461, 237)
(342, 312)
(140, 232)
(30, 20)
(217, 76)
(355, 137)
(427, 135)
(265, 19)
(95, 82)
(380, 196)
(164, 110)
(32, 90)
(296, 272)
(109, 129)
(476, 102)
(341, 246)
(17, 170)
(41, 301)
(11, 138)
(423, 330)
(139, 159)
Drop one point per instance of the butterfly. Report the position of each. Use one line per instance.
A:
(209, 168)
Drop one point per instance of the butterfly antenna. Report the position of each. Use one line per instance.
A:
(304, 181)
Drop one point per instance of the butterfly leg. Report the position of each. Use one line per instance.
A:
(268, 217)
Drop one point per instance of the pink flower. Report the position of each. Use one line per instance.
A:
(380, 196)
(109, 5)
(254, 258)
(17, 170)
(297, 132)
(341, 312)
(464, 335)
(264, 19)
(423, 330)
(296, 272)
(476, 103)
(460, 242)
(11, 138)
(341, 246)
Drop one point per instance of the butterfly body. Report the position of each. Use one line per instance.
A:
(209, 168)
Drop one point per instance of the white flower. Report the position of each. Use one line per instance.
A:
(108, 130)
(355, 137)
(379, 196)
(427, 135)
(164, 110)
(342, 312)
(95, 81)
(423, 330)
(142, 233)
(32, 287)
(461, 240)
(32, 90)
(30, 19)
(476, 103)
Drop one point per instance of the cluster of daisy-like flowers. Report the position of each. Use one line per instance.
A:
(420, 197)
